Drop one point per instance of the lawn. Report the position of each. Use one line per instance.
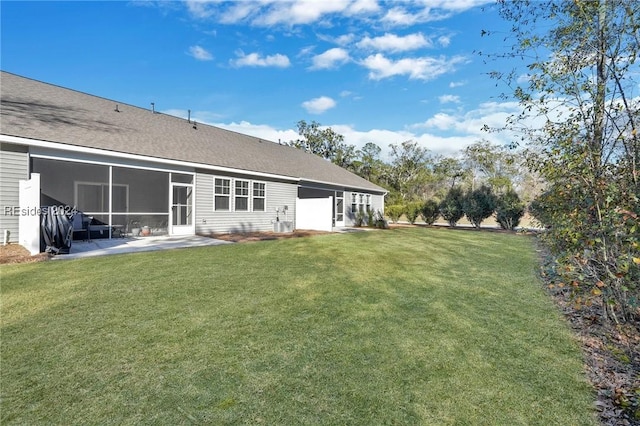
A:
(405, 326)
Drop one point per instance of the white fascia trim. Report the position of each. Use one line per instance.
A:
(359, 188)
(95, 151)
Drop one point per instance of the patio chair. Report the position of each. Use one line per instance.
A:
(82, 223)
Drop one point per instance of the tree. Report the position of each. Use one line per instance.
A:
(412, 211)
(449, 171)
(430, 212)
(581, 73)
(478, 205)
(368, 163)
(509, 210)
(409, 170)
(394, 211)
(324, 142)
(451, 206)
(490, 164)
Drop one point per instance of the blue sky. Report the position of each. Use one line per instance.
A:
(375, 71)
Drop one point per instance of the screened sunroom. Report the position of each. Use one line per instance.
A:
(113, 201)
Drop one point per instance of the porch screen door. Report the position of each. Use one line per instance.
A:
(182, 209)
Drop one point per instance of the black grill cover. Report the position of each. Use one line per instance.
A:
(57, 229)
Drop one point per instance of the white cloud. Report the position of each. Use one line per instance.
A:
(449, 146)
(344, 39)
(454, 84)
(257, 60)
(200, 53)
(444, 41)
(443, 133)
(238, 12)
(440, 121)
(363, 7)
(399, 17)
(305, 51)
(330, 59)
(268, 13)
(262, 131)
(423, 68)
(299, 11)
(319, 105)
(394, 43)
(445, 99)
(470, 124)
(200, 9)
(428, 11)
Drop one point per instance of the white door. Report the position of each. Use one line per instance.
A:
(338, 209)
(181, 219)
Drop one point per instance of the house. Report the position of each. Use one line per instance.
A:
(133, 170)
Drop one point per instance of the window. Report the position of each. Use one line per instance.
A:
(245, 196)
(354, 203)
(258, 196)
(361, 204)
(92, 197)
(222, 195)
(339, 206)
(242, 195)
(368, 198)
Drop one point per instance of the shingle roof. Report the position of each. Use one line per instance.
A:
(41, 111)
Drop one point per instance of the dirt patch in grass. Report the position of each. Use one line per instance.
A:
(244, 237)
(15, 253)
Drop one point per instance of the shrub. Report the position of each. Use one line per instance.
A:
(430, 212)
(479, 204)
(360, 218)
(509, 210)
(379, 221)
(412, 211)
(451, 206)
(370, 219)
(593, 233)
(394, 212)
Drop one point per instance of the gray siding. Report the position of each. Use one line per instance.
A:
(278, 195)
(377, 204)
(14, 166)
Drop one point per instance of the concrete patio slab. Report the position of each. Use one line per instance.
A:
(81, 249)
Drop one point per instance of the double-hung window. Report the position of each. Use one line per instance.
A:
(258, 196)
(242, 195)
(239, 195)
(222, 194)
(354, 203)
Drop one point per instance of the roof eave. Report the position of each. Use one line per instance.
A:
(17, 140)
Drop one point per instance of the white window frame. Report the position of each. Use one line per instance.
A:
(233, 196)
(237, 197)
(104, 191)
(263, 197)
(216, 194)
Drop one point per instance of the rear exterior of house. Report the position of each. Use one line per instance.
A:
(123, 170)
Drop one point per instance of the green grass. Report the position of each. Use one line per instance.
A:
(407, 326)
